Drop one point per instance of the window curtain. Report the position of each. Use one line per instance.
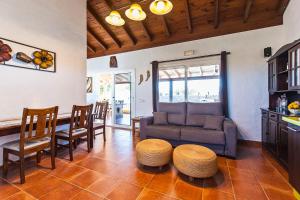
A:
(155, 84)
(223, 84)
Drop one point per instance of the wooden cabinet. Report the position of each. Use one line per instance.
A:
(265, 128)
(282, 139)
(272, 76)
(275, 136)
(272, 142)
(294, 68)
(294, 158)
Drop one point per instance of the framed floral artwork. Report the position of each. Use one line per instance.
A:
(16, 54)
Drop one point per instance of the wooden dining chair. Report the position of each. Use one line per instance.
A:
(99, 118)
(79, 128)
(35, 137)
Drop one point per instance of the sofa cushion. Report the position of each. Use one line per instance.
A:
(214, 122)
(176, 119)
(160, 118)
(196, 134)
(165, 132)
(176, 112)
(195, 120)
(204, 109)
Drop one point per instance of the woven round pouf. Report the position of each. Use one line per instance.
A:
(153, 152)
(195, 161)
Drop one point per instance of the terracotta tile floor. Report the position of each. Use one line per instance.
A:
(110, 172)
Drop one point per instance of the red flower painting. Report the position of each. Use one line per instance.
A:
(4, 52)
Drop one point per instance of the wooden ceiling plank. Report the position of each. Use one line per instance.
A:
(249, 5)
(146, 31)
(165, 26)
(188, 16)
(282, 6)
(217, 14)
(97, 38)
(125, 27)
(92, 49)
(103, 25)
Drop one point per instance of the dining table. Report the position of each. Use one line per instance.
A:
(13, 126)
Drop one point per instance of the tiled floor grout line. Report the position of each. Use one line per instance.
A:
(230, 179)
(284, 179)
(18, 188)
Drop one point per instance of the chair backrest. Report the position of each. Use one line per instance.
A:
(81, 117)
(101, 110)
(42, 124)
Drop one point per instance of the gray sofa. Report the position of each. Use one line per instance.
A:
(185, 125)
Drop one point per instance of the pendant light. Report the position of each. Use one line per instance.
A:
(135, 12)
(161, 7)
(115, 19)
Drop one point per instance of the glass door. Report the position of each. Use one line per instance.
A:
(122, 99)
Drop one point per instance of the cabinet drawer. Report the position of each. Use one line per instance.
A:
(273, 116)
(265, 113)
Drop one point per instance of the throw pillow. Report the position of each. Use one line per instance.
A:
(160, 118)
(214, 122)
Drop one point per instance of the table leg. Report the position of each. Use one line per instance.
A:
(133, 127)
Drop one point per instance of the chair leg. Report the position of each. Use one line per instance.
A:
(71, 150)
(5, 163)
(75, 144)
(55, 147)
(22, 169)
(38, 157)
(104, 135)
(53, 151)
(94, 133)
(88, 141)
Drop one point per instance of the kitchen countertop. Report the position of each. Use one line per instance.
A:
(292, 120)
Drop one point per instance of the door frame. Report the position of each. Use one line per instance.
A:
(132, 99)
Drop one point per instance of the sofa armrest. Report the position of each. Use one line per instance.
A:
(230, 131)
(144, 122)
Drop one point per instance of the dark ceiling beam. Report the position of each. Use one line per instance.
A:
(217, 14)
(146, 31)
(249, 5)
(165, 26)
(92, 49)
(97, 38)
(282, 5)
(188, 15)
(125, 27)
(103, 25)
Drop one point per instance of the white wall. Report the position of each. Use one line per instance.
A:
(291, 21)
(53, 25)
(247, 72)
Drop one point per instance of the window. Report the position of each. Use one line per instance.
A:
(190, 82)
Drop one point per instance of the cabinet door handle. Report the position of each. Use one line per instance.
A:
(292, 129)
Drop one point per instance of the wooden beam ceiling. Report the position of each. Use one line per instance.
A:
(125, 27)
(282, 5)
(165, 26)
(188, 15)
(217, 14)
(248, 7)
(146, 31)
(189, 20)
(97, 38)
(92, 49)
(103, 25)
